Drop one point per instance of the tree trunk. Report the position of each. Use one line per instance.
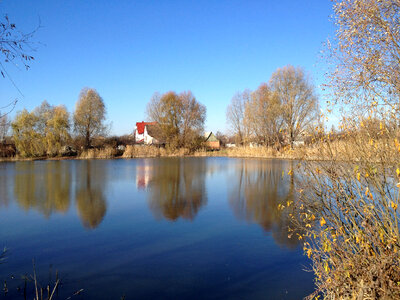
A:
(87, 140)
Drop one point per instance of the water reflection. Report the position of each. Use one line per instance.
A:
(43, 186)
(46, 187)
(4, 183)
(259, 188)
(91, 180)
(177, 188)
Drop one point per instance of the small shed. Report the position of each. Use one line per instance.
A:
(211, 141)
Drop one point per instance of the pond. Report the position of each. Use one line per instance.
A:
(157, 228)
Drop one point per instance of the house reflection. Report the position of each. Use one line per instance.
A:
(259, 189)
(43, 186)
(91, 179)
(143, 173)
(177, 188)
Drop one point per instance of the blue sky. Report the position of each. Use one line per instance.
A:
(128, 50)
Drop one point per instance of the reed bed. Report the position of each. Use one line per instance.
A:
(106, 153)
(133, 151)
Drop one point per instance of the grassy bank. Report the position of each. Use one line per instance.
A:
(319, 151)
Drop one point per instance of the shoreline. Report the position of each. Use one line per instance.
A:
(313, 153)
(16, 159)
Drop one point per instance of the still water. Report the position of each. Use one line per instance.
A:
(160, 228)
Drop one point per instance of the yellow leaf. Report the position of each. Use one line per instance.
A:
(326, 267)
(397, 171)
(309, 251)
(358, 176)
(393, 205)
(322, 221)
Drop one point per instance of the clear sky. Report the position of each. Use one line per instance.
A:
(128, 50)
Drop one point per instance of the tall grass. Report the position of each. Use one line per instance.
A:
(316, 151)
(133, 151)
(107, 152)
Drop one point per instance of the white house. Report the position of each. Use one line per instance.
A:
(146, 132)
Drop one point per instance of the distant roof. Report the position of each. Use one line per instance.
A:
(141, 125)
(154, 131)
(207, 134)
(210, 137)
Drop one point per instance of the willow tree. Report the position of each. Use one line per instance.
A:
(42, 131)
(89, 115)
(297, 97)
(57, 130)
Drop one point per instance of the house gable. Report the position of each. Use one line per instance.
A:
(147, 133)
(211, 140)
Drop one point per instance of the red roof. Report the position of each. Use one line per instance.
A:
(141, 125)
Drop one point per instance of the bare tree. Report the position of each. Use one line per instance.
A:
(4, 127)
(15, 48)
(180, 118)
(193, 118)
(235, 114)
(263, 116)
(90, 115)
(365, 55)
(296, 94)
(153, 108)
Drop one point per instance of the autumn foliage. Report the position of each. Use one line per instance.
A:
(349, 204)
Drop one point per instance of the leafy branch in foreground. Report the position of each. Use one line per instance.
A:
(349, 205)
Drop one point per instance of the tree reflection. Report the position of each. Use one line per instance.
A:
(4, 184)
(90, 200)
(177, 188)
(260, 188)
(44, 186)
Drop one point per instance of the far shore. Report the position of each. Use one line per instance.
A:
(299, 153)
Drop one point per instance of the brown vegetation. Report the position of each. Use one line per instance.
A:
(180, 119)
(350, 211)
(278, 112)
